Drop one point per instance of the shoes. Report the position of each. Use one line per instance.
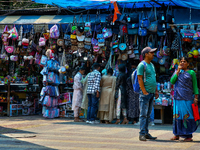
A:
(148, 136)
(188, 140)
(125, 121)
(175, 138)
(96, 122)
(151, 123)
(87, 121)
(137, 124)
(142, 138)
(91, 122)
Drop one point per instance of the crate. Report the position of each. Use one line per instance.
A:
(26, 111)
(13, 106)
(19, 106)
(19, 111)
(13, 113)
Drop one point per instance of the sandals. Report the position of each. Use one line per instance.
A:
(175, 138)
(188, 140)
(79, 120)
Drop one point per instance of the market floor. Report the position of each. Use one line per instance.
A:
(36, 132)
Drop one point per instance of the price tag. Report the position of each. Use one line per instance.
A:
(163, 18)
(163, 25)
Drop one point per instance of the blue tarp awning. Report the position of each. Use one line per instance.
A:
(102, 4)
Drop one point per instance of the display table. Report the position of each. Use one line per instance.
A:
(161, 108)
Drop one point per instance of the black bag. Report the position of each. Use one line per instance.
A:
(169, 15)
(153, 15)
(133, 17)
(162, 15)
(175, 43)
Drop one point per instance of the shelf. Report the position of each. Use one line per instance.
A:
(23, 84)
(4, 92)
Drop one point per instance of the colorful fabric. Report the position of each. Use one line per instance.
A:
(94, 79)
(185, 90)
(183, 120)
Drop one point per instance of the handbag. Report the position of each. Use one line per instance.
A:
(74, 42)
(74, 48)
(66, 35)
(67, 43)
(81, 38)
(9, 49)
(123, 30)
(154, 23)
(169, 15)
(106, 32)
(88, 40)
(88, 21)
(97, 18)
(94, 41)
(80, 28)
(88, 47)
(144, 21)
(123, 17)
(96, 48)
(122, 46)
(175, 43)
(133, 17)
(133, 28)
(73, 37)
(142, 31)
(161, 14)
(153, 15)
(195, 110)
(80, 45)
(74, 25)
(100, 36)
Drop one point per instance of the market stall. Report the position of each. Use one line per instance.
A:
(41, 54)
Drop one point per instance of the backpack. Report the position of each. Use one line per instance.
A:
(134, 78)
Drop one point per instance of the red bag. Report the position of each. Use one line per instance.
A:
(195, 112)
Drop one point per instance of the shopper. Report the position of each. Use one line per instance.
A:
(133, 100)
(147, 81)
(185, 86)
(93, 92)
(121, 95)
(107, 99)
(77, 94)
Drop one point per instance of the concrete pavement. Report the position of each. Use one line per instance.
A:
(36, 132)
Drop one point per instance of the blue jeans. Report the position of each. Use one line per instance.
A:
(92, 107)
(146, 104)
(152, 115)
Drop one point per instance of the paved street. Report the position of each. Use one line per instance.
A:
(36, 132)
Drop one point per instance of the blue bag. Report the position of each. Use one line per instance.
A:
(134, 78)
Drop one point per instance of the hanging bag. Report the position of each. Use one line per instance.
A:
(80, 28)
(54, 32)
(60, 41)
(169, 15)
(133, 17)
(144, 21)
(154, 23)
(94, 41)
(122, 46)
(74, 26)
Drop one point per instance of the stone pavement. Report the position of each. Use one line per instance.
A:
(38, 133)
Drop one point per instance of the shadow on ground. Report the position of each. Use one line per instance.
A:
(10, 140)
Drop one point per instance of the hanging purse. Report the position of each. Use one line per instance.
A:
(88, 21)
(144, 21)
(169, 15)
(122, 46)
(60, 41)
(74, 26)
(94, 41)
(66, 35)
(142, 31)
(88, 47)
(81, 38)
(133, 17)
(123, 30)
(123, 17)
(154, 23)
(80, 45)
(96, 48)
(80, 28)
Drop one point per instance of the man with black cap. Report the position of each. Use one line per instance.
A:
(147, 81)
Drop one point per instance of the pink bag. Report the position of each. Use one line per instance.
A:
(9, 49)
(54, 32)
